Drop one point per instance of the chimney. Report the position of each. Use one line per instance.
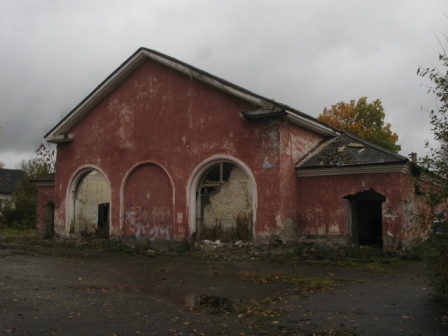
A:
(413, 157)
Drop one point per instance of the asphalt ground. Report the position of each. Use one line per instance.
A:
(102, 293)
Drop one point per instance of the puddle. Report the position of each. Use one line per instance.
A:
(216, 304)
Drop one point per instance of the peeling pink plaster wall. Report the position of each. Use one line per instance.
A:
(45, 194)
(162, 116)
(322, 206)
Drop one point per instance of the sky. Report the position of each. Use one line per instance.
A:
(308, 54)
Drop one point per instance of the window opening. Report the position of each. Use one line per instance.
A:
(224, 204)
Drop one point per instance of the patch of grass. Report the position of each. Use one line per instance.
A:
(16, 232)
(262, 309)
(80, 247)
(303, 284)
(342, 331)
(362, 257)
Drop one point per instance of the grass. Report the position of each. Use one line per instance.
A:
(30, 241)
(304, 284)
(359, 257)
(342, 331)
(16, 232)
(370, 259)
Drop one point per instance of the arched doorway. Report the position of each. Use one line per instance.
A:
(224, 203)
(148, 206)
(364, 216)
(91, 205)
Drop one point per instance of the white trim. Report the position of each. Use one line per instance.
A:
(123, 185)
(350, 170)
(95, 97)
(58, 138)
(58, 134)
(209, 80)
(311, 124)
(72, 185)
(198, 174)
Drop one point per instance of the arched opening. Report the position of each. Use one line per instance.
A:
(364, 215)
(91, 205)
(148, 206)
(224, 203)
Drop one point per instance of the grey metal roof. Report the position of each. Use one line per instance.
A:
(9, 179)
(348, 150)
(45, 178)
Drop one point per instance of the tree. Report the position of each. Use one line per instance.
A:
(1, 163)
(362, 119)
(436, 247)
(46, 156)
(20, 211)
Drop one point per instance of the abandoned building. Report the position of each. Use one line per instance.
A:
(45, 204)
(9, 178)
(162, 153)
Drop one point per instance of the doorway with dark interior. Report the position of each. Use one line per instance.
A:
(364, 217)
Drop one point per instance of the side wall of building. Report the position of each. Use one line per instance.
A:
(45, 195)
(325, 209)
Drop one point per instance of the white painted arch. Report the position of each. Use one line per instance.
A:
(199, 172)
(75, 179)
(125, 180)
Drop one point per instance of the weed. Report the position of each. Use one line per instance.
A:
(303, 284)
(342, 331)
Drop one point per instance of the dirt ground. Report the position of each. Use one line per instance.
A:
(85, 292)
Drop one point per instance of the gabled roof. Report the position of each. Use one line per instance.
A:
(349, 151)
(59, 133)
(44, 180)
(9, 179)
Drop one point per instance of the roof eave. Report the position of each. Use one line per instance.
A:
(401, 167)
(134, 61)
(127, 68)
(311, 124)
(61, 129)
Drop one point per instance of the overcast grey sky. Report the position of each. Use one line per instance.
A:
(308, 54)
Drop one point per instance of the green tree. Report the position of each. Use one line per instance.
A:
(364, 120)
(20, 211)
(436, 163)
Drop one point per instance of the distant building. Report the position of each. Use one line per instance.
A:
(45, 204)
(9, 178)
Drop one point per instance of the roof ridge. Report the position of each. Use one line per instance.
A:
(370, 144)
(59, 132)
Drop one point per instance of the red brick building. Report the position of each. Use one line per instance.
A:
(162, 153)
(45, 204)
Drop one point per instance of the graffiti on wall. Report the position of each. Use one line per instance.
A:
(152, 224)
(148, 212)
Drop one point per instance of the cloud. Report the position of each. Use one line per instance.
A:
(307, 54)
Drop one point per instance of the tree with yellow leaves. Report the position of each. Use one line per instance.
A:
(362, 119)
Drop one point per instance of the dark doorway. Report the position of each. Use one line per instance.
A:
(103, 220)
(365, 214)
(49, 220)
(90, 204)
